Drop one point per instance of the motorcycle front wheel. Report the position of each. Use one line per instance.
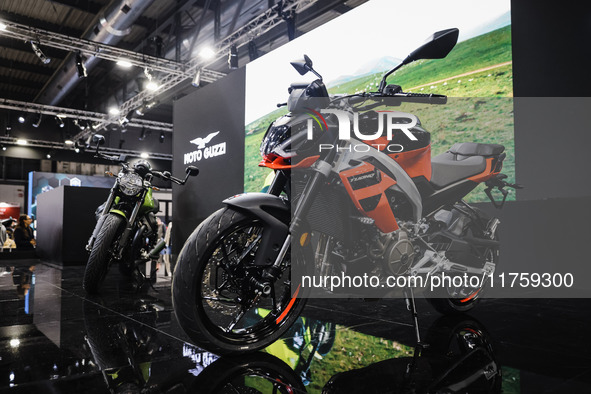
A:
(213, 296)
(101, 254)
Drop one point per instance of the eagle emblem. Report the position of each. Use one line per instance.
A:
(200, 142)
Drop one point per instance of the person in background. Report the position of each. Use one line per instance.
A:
(3, 236)
(23, 234)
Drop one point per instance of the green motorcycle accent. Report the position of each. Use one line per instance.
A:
(149, 202)
(119, 212)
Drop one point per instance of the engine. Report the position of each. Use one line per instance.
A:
(393, 251)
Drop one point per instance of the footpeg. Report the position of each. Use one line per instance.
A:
(498, 182)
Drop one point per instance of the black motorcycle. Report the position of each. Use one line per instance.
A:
(126, 228)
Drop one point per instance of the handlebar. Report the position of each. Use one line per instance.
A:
(421, 97)
(400, 96)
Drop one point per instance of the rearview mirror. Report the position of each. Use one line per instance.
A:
(192, 171)
(437, 46)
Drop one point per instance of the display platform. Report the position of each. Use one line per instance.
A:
(56, 339)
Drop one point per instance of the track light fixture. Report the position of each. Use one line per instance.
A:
(21, 119)
(80, 66)
(37, 49)
(197, 79)
(233, 57)
(79, 124)
(60, 122)
(37, 121)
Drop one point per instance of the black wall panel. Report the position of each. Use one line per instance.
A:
(218, 107)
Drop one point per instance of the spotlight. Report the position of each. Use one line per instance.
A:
(77, 150)
(80, 66)
(49, 154)
(59, 121)
(144, 155)
(152, 86)
(21, 119)
(3, 147)
(124, 63)
(114, 111)
(253, 51)
(233, 57)
(21, 142)
(207, 53)
(69, 142)
(197, 79)
(37, 121)
(162, 137)
(3, 26)
(44, 59)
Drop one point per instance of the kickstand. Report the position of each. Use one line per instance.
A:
(142, 278)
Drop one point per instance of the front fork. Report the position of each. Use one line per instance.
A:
(322, 171)
(101, 220)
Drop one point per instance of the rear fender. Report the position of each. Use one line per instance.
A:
(275, 214)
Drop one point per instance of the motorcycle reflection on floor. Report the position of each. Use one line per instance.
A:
(132, 357)
(460, 358)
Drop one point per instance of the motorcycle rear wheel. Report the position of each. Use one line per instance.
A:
(212, 299)
(101, 254)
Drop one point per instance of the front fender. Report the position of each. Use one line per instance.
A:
(274, 212)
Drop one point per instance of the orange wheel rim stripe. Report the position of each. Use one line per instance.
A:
(289, 306)
(471, 296)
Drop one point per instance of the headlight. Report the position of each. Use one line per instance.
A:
(130, 183)
(274, 136)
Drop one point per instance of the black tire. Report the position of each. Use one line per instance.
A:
(197, 273)
(100, 256)
(468, 300)
(245, 375)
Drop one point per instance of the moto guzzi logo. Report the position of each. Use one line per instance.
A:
(203, 150)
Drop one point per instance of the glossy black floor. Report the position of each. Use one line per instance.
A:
(55, 339)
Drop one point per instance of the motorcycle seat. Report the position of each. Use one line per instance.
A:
(448, 168)
(475, 149)
(462, 160)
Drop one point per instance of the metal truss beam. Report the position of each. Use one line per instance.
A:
(259, 25)
(97, 117)
(92, 48)
(60, 145)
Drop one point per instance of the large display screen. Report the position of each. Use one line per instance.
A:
(353, 51)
